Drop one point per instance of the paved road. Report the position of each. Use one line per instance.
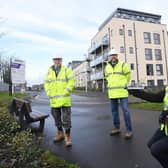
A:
(92, 145)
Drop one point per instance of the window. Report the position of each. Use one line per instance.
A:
(150, 83)
(111, 33)
(149, 69)
(147, 37)
(132, 66)
(159, 69)
(121, 32)
(158, 55)
(133, 83)
(160, 82)
(131, 50)
(105, 38)
(148, 54)
(121, 49)
(129, 32)
(156, 38)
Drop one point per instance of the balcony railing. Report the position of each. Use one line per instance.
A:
(96, 61)
(103, 42)
(99, 60)
(97, 75)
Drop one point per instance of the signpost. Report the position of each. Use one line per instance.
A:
(17, 72)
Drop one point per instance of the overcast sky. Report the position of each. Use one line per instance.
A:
(37, 30)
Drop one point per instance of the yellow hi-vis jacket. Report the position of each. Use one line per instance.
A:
(164, 126)
(165, 100)
(58, 88)
(117, 79)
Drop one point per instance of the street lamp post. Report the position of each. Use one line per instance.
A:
(10, 78)
(86, 80)
(102, 69)
(86, 72)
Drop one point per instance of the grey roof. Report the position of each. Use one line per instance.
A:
(132, 15)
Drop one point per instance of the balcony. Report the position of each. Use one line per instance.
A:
(86, 70)
(99, 60)
(97, 76)
(105, 56)
(98, 45)
(89, 70)
(88, 59)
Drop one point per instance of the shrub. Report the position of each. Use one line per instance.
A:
(25, 151)
(21, 149)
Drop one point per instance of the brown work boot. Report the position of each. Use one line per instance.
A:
(115, 131)
(59, 137)
(128, 135)
(68, 141)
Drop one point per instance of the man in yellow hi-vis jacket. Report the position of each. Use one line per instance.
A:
(59, 83)
(117, 74)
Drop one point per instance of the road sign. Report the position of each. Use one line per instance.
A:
(18, 72)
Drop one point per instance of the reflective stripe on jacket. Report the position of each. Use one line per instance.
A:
(58, 88)
(117, 79)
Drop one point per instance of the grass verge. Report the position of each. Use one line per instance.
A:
(147, 106)
(20, 149)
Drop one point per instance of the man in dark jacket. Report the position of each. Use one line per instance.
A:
(158, 144)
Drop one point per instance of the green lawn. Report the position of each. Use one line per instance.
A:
(4, 96)
(147, 106)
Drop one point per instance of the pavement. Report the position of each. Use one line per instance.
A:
(92, 145)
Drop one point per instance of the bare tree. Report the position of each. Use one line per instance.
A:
(5, 69)
(6, 72)
(4, 62)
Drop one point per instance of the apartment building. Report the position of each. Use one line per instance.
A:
(74, 64)
(141, 41)
(81, 74)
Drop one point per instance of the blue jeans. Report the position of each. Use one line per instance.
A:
(115, 112)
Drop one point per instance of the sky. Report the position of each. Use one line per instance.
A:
(37, 30)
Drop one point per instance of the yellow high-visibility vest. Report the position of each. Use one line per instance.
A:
(117, 79)
(165, 100)
(59, 87)
(163, 126)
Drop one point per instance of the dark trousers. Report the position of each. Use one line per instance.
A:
(158, 145)
(62, 117)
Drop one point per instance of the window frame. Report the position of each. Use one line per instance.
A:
(159, 80)
(122, 49)
(159, 72)
(149, 73)
(131, 50)
(156, 55)
(156, 40)
(147, 37)
(132, 66)
(148, 55)
(129, 32)
(152, 83)
(121, 32)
